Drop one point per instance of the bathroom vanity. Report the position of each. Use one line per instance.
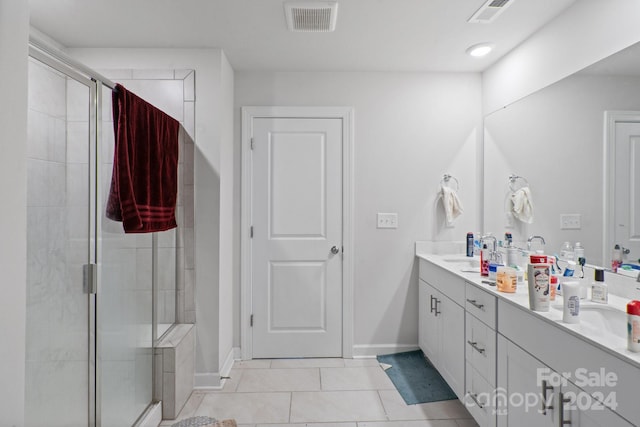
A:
(515, 367)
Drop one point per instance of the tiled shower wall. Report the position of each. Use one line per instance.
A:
(172, 91)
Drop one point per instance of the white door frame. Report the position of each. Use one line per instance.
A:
(346, 115)
(611, 118)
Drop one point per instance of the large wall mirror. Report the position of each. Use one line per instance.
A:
(577, 145)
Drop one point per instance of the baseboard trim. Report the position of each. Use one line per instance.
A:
(209, 381)
(237, 353)
(214, 381)
(228, 364)
(373, 350)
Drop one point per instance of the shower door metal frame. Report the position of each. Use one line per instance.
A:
(92, 231)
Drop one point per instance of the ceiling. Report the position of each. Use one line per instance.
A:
(371, 35)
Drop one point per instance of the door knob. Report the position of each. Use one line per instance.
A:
(335, 250)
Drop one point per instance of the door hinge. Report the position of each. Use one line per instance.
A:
(251, 143)
(251, 232)
(90, 278)
(251, 321)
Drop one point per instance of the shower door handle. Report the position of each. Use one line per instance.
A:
(90, 278)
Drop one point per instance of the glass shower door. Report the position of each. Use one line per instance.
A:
(125, 300)
(59, 370)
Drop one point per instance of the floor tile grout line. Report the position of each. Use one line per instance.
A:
(382, 405)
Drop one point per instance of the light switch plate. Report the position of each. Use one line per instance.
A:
(387, 220)
(570, 222)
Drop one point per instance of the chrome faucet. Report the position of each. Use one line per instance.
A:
(532, 238)
(494, 249)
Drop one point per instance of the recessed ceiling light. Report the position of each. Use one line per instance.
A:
(479, 50)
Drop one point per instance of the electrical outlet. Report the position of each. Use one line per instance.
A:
(387, 220)
(570, 222)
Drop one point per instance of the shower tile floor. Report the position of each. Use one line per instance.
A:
(317, 393)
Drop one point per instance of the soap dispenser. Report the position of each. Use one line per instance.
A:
(599, 289)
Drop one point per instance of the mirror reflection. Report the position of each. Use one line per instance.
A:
(577, 145)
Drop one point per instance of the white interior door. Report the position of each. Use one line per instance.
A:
(296, 250)
(626, 200)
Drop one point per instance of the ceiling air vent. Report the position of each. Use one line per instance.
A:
(489, 11)
(314, 16)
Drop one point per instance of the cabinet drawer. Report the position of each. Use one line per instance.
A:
(479, 398)
(480, 348)
(444, 281)
(481, 304)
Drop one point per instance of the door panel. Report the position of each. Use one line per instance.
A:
(298, 175)
(627, 188)
(297, 219)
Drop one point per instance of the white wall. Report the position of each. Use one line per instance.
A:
(410, 129)
(227, 231)
(583, 34)
(14, 35)
(213, 132)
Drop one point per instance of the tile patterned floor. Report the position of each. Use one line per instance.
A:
(317, 393)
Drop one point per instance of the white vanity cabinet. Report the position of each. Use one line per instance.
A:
(441, 323)
(583, 398)
(531, 394)
(480, 354)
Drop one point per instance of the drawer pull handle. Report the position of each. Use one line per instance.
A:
(431, 303)
(474, 344)
(563, 400)
(545, 387)
(475, 304)
(474, 397)
(436, 307)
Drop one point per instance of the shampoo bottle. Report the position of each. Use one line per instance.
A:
(599, 289)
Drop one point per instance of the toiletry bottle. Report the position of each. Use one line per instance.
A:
(538, 278)
(571, 302)
(616, 258)
(599, 289)
(570, 269)
(553, 287)
(578, 251)
(566, 252)
(633, 326)
(508, 239)
(469, 244)
(484, 261)
(506, 280)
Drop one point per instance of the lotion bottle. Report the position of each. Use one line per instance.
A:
(599, 289)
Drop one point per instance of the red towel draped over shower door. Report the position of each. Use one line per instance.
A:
(144, 183)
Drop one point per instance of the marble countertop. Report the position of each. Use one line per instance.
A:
(614, 344)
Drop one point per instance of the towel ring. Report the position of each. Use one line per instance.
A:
(513, 179)
(446, 179)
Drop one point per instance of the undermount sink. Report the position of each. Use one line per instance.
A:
(601, 320)
(464, 263)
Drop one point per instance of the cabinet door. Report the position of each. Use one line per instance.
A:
(429, 323)
(423, 313)
(581, 410)
(451, 366)
(522, 390)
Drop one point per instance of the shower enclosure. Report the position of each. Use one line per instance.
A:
(97, 299)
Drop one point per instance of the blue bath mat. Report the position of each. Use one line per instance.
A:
(415, 378)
